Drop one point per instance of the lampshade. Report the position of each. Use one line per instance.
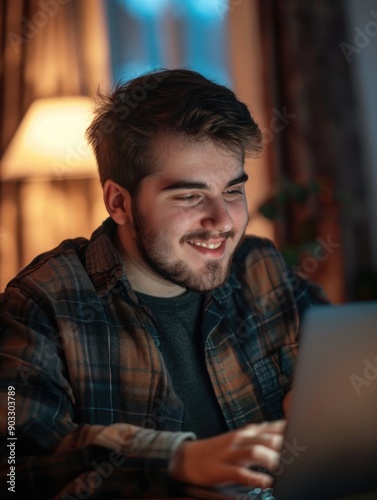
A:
(50, 142)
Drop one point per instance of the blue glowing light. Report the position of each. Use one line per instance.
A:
(145, 7)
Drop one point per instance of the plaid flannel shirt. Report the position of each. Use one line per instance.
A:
(96, 412)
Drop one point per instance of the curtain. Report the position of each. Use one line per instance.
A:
(49, 48)
(320, 189)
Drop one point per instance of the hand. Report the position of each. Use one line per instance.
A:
(228, 457)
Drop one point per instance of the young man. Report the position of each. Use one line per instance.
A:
(161, 350)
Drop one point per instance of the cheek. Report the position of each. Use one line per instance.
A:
(181, 219)
(170, 225)
(239, 214)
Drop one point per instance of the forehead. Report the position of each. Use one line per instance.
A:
(180, 158)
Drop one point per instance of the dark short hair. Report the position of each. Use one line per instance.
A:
(129, 120)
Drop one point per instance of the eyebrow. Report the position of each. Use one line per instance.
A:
(202, 185)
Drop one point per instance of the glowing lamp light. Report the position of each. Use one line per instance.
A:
(50, 142)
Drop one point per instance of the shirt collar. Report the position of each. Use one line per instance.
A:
(103, 263)
(222, 294)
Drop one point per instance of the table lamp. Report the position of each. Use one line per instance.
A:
(50, 142)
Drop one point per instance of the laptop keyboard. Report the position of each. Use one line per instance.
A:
(257, 494)
(229, 492)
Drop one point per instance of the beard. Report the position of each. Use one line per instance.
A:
(155, 251)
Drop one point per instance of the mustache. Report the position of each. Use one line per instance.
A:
(207, 235)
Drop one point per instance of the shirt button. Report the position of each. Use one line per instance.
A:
(284, 380)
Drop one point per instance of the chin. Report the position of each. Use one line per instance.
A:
(204, 284)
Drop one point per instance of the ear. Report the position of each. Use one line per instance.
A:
(118, 202)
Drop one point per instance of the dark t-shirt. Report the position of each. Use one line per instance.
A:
(182, 347)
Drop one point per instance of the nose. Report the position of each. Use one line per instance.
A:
(217, 217)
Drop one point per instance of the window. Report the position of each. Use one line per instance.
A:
(150, 34)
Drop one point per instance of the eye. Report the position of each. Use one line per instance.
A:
(188, 199)
(233, 193)
(185, 197)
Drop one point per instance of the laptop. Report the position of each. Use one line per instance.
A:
(330, 444)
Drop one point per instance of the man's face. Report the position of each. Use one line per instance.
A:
(190, 216)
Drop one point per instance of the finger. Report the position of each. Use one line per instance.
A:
(273, 441)
(247, 477)
(256, 455)
(274, 427)
(271, 436)
(253, 430)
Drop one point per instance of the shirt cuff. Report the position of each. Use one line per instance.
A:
(148, 450)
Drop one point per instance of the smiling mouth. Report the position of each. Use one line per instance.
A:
(211, 246)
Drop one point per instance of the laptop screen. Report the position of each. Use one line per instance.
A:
(330, 445)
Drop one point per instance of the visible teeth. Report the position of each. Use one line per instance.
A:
(211, 246)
